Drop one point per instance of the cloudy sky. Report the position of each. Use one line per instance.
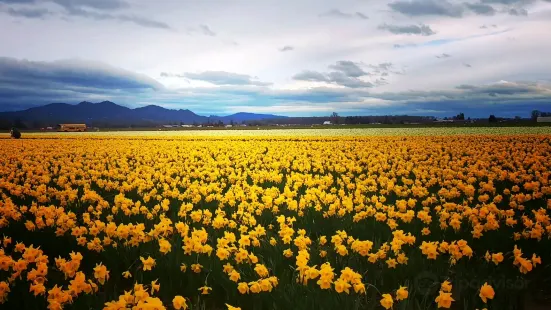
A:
(302, 57)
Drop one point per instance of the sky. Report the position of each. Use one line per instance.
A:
(293, 58)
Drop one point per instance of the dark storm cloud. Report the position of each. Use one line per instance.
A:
(421, 29)
(219, 78)
(505, 90)
(30, 82)
(427, 7)
(481, 9)
(73, 72)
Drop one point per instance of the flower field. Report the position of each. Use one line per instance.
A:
(276, 222)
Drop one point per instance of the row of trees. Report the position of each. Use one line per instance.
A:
(536, 114)
(334, 118)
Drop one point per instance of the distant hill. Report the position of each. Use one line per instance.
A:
(244, 116)
(109, 114)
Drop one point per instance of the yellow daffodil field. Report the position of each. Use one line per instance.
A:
(273, 221)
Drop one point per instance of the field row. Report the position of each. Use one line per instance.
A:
(303, 132)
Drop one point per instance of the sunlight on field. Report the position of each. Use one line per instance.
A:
(417, 219)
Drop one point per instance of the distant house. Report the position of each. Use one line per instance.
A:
(544, 119)
(168, 126)
(187, 126)
(229, 126)
(327, 123)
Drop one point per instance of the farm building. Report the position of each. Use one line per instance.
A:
(544, 119)
(71, 127)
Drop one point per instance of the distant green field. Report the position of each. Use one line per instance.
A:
(315, 132)
(522, 123)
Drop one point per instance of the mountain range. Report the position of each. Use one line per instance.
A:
(107, 113)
